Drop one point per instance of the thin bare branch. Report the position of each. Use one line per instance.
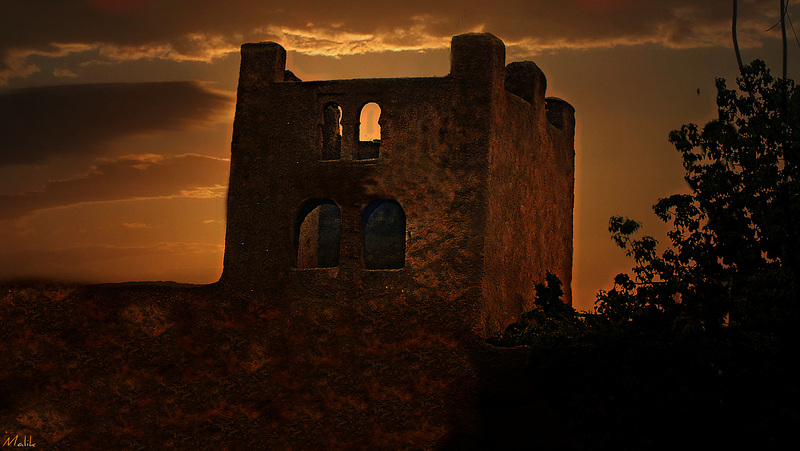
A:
(784, 12)
(738, 53)
(734, 33)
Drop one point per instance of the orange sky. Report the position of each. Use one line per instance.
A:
(116, 114)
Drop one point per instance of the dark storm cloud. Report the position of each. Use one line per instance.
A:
(130, 177)
(202, 29)
(71, 120)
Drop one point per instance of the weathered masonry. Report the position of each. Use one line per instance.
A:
(458, 199)
(380, 230)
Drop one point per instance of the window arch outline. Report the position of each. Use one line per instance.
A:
(383, 235)
(368, 133)
(331, 131)
(317, 234)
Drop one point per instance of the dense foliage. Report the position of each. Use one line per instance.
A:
(734, 238)
(550, 321)
(694, 349)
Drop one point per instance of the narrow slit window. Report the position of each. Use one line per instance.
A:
(369, 132)
(383, 231)
(318, 234)
(331, 132)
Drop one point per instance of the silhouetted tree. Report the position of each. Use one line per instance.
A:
(551, 320)
(734, 243)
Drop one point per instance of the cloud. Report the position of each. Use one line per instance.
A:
(129, 177)
(135, 225)
(70, 120)
(190, 262)
(134, 29)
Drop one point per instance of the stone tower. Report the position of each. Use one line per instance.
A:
(460, 205)
(379, 253)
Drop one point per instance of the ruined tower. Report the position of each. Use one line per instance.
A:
(460, 205)
(380, 230)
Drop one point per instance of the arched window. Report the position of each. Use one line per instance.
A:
(317, 234)
(383, 231)
(331, 132)
(369, 132)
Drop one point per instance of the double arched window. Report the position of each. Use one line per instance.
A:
(383, 234)
(367, 133)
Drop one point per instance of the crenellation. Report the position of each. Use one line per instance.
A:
(561, 114)
(263, 62)
(476, 56)
(526, 80)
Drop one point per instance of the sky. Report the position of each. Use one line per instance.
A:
(116, 115)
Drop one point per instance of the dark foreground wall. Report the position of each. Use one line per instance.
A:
(164, 367)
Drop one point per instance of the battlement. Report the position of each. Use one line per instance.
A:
(472, 55)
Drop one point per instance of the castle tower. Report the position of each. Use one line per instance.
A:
(451, 207)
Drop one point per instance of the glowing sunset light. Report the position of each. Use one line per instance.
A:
(117, 115)
(370, 128)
